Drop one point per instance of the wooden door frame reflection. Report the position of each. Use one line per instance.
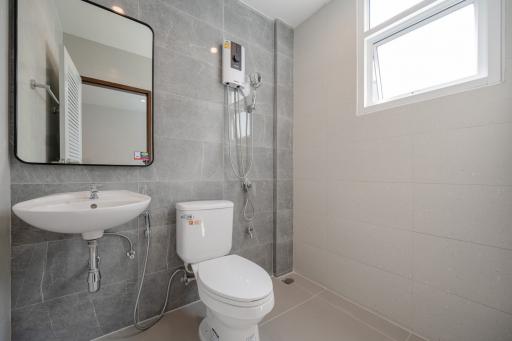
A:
(138, 91)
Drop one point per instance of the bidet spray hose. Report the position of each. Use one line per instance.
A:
(137, 323)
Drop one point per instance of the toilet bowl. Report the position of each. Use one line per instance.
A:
(236, 292)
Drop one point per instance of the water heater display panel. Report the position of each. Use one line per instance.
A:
(236, 56)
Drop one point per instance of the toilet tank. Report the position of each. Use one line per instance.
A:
(204, 230)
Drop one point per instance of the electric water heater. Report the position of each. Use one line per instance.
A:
(233, 64)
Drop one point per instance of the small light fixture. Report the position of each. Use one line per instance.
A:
(143, 100)
(214, 50)
(118, 9)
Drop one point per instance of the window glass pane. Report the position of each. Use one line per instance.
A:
(440, 52)
(382, 10)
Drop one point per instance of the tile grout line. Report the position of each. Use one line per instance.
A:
(355, 303)
(291, 308)
(426, 234)
(45, 260)
(415, 281)
(85, 291)
(351, 315)
(89, 298)
(412, 181)
(151, 318)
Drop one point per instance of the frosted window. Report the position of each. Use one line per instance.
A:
(438, 53)
(382, 10)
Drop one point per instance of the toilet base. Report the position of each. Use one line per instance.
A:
(212, 330)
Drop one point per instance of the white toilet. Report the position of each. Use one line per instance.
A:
(237, 292)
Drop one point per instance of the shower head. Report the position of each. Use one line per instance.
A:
(255, 80)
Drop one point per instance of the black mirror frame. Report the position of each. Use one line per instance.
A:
(13, 84)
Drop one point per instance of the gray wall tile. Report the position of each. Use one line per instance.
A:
(248, 24)
(259, 254)
(284, 258)
(174, 28)
(283, 223)
(28, 265)
(210, 11)
(154, 291)
(187, 77)
(130, 7)
(284, 133)
(284, 70)
(191, 163)
(212, 162)
(173, 260)
(284, 226)
(158, 250)
(184, 118)
(284, 194)
(114, 305)
(179, 160)
(32, 323)
(285, 164)
(67, 264)
(284, 38)
(66, 268)
(285, 101)
(73, 318)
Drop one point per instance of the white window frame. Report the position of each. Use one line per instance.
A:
(490, 20)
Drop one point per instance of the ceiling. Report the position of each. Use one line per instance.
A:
(292, 12)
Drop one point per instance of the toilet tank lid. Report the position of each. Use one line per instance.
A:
(203, 205)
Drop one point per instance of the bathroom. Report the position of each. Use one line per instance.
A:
(283, 170)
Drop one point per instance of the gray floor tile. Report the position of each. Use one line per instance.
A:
(318, 320)
(180, 325)
(286, 297)
(385, 327)
(413, 337)
(303, 311)
(304, 283)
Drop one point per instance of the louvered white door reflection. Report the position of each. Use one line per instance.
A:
(70, 111)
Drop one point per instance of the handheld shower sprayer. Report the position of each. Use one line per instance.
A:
(255, 80)
(254, 84)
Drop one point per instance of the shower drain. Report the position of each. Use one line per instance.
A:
(288, 281)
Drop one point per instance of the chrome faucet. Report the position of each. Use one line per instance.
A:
(93, 189)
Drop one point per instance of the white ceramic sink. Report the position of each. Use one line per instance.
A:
(76, 213)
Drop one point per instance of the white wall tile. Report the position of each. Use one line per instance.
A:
(445, 317)
(310, 219)
(388, 159)
(310, 261)
(378, 290)
(479, 273)
(479, 214)
(383, 204)
(393, 178)
(306, 162)
(479, 155)
(386, 248)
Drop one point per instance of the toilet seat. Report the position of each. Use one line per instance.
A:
(234, 280)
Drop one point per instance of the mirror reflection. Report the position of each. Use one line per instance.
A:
(84, 85)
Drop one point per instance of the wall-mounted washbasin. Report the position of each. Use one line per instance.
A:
(76, 213)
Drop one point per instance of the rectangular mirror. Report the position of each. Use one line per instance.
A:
(84, 85)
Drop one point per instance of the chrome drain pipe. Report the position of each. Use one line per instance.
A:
(94, 277)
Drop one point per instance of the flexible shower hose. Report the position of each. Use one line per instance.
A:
(136, 321)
